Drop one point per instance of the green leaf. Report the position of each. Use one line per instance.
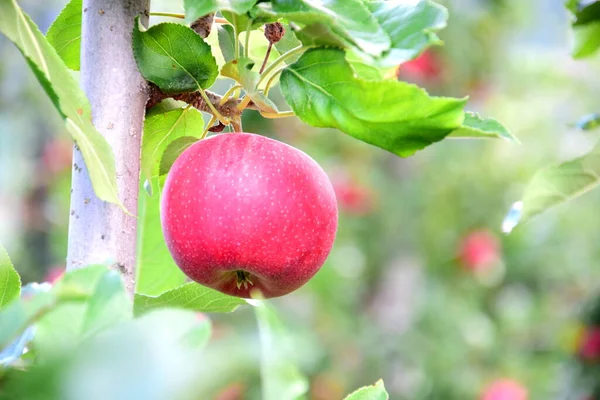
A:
(382, 33)
(65, 34)
(190, 296)
(587, 39)
(589, 122)
(91, 300)
(476, 127)
(162, 129)
(558, 184)
(108, 304)
(10, 282)
(584, 14)
(322, 34)
(586, 27)
(174, 57)
(173, 151)
(241, 71)
(18, 315)
(349, 19)
(195, 9)
(323, 91)
(156, 271)
(365, 71)
(280, 376)
(410, 26)
(227, 42)
(288, 42)
(375, 392)
(64, 91)
(157, 352)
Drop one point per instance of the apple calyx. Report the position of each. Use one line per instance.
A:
(243, 279)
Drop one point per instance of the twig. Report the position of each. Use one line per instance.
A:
(227, 109)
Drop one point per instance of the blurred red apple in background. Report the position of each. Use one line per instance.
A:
(232, 392)
(54, 274)
(589, 344)
(57, 155)
(479, 250)
(505, 389)
(242, 214)
(353, 197)
(426, 67)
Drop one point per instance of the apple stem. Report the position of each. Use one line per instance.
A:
(264, 64)
(236, 124)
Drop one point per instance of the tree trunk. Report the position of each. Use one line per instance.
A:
(100, 232)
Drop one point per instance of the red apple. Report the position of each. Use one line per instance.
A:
(354, 198)
(505, 389)
(479, 250)
(589, 345)
(248, 215)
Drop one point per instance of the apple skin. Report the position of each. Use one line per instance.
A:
(239, 203)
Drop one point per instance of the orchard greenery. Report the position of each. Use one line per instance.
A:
(557, 184)
(333, 64)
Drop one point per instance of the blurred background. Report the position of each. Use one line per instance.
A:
(422, 288)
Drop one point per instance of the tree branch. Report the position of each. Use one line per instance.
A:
(228, 109)
(98, 231)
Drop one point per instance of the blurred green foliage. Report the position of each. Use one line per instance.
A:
(394, 301)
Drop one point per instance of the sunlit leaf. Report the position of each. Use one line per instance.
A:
(280, 376)
(589, 122)
(173, 151)
(350, 20)
(190, 296)
(410, 26)
(323, 91)
(65, 34)
(10, 282)
(374, 392)
(66, 95)
(476, 127)
(195, 9)
(160, 129)
(557, 184)
(156, 271)
(174, 57)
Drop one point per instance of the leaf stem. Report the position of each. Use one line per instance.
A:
(236, 49)
(212, 121)
(166, 14)
(214, 111)
(229, 93)
(282, 114)
(247, 44)
(272, 79)
(279, 60)
(245, 101)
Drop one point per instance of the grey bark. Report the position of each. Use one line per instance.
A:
(101, 232)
